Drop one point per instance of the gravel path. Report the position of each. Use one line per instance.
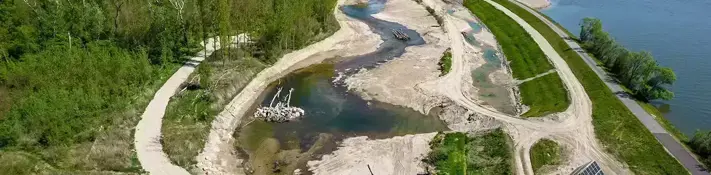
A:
(147, 138)
(572, 128)
(672, 145)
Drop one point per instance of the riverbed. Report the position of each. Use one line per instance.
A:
(332, 112)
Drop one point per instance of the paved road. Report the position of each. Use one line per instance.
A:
(672, 145)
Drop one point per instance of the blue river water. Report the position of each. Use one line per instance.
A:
(677, 33)
(332, 113)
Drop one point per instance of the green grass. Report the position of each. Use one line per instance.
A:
(545, 153)
(445, 63)
(457, 153)
(190, 113)
(622, 134)
(527, 59)
(651, 109)
(544, 95)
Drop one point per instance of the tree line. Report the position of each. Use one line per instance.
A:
(638, 71)
(71, 71)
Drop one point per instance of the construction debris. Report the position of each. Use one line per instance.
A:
(281, 112)
(399, 34)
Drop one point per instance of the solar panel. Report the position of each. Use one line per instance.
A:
(591, 168)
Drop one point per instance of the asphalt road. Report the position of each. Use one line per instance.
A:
(672, 145)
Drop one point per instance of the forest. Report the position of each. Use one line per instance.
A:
(76, 74)
(637, 71)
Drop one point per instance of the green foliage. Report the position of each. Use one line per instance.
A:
(701, 144)
(74, 75)
(59, 104)
(457, 153)
(279, 26)
(544, 95)
(615, 126)
(527, 59)
(445, 63)
(189, 114)
(66, 99)
(545, 153)
(638, 71)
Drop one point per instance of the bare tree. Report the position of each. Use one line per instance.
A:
(178, 5)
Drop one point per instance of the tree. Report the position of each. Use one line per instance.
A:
(701, 144)
(224, 26)
(638, 71)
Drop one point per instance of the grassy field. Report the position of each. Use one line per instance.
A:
(543, 95)
(616, 127)
(545, 153)
(457, 153)
(554, 100)
(189, 113)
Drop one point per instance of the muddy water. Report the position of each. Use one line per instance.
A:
(493, 94)
(332, 113)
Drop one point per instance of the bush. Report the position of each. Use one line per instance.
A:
(701, 144)
(445, 63)
(457, 153)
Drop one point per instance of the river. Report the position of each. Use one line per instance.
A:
(676, 32)
(332, 113)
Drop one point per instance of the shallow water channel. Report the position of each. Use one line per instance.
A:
(332, 113)
(493, 94)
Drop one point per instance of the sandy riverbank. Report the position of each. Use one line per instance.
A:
(360, 155)
(398, 81)
(218, 155)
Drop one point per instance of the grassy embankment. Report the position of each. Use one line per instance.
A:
(543, 95)
(445, 63)
(545, 153)
(457, 153)
(190, 112)
(651, 109)
(615, 126)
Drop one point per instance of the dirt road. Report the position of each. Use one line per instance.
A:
(672, 145)
(148, 131)
(572, 128)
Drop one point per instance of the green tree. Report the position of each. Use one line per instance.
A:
(638, 71)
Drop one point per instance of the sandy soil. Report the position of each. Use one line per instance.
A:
(397, 155)
(398, 81)
(536, 4)
(218, 155)
(407, 81)
(571, 128)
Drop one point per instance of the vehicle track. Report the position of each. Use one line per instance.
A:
(571, 128)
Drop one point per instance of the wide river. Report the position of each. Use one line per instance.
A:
(677, 33)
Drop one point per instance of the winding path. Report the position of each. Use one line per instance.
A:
(571, 128)
(670, 143)
(147, 138)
